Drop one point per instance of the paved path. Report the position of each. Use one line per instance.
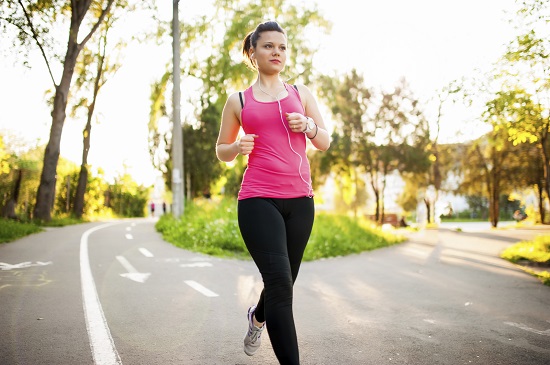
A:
(116, 293)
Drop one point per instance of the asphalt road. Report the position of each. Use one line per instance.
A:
(116, 293)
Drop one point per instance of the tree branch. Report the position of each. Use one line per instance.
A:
(104, 12)
(35, 37)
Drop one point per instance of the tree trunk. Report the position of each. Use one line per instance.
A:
(428, 210)
(9, 208)
(78, 208)
(542, 211)
(546, 162)
(494, 193)
(375, 189)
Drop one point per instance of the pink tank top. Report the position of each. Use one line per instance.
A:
(278, 166)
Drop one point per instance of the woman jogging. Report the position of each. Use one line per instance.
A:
(275, 202)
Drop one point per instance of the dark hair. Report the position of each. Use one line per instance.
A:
(251, 39)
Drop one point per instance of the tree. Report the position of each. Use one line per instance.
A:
(525, 95)
(348, 99)
(401, 137)
(486, 169)
(91, 81)
(34, 21)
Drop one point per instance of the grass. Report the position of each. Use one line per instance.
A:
(212, 228)
(206, 227)
(531, 256)
(339, 235)
(11, 230)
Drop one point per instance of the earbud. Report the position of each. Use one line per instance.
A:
(252, 55)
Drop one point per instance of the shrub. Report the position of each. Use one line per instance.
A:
(537, 250)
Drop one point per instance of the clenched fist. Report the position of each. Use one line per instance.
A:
(246, 144)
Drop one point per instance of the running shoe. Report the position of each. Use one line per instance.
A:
(252, 339)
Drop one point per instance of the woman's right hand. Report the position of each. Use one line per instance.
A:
(246, 144)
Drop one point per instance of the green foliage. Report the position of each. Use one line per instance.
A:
(211, 227)
(537, 250)
(206, 227)
(126, 198)
(11, 230)
(530, 254)
(123, 198)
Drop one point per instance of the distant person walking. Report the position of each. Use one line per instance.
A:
(163, 207)
(152, 209)
(275, 202)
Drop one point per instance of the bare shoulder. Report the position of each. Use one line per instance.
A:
(306, 95)
(233, 99)
(233, 103)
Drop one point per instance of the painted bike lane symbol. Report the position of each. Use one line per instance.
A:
(23, 265)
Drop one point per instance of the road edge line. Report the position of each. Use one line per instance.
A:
(101, 342)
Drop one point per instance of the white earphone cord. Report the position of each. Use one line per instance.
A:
(310, 188)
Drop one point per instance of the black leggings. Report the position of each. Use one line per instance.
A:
(276, 232)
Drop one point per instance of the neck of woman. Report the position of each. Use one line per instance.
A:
(271, 85)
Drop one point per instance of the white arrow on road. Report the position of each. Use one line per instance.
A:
(132, 273)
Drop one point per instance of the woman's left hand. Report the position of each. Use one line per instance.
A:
(296, 122)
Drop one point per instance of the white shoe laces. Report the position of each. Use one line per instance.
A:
(254, 333)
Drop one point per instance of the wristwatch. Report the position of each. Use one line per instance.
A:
(310, 124)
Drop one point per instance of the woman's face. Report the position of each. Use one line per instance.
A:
(271, 52)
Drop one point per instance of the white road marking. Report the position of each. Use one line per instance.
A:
(22, 265)
(529, 329)
(145, 252)
(129, 236)
(101, 342)
(201, 289)
(197, 264)
(132, 273)
(128, 229)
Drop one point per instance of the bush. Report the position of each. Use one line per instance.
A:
(531, 253)
(535, 251)
(212, 228)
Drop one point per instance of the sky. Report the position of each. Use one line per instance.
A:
(429, 42)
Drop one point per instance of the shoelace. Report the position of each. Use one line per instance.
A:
(254, 333)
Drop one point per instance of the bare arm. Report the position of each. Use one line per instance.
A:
(319, 135)
(228, 146)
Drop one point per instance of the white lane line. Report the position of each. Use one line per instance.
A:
(529, 329)
(197, 264)
(129, 236)
(145, 252)
(101, 342)
(201, 289)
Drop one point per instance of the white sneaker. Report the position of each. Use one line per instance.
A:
(252, 339)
